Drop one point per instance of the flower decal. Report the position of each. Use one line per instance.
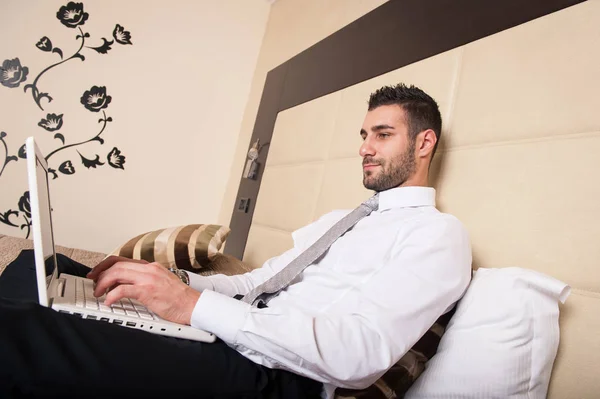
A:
(52, 122)
(23, 152)
(72, 15)
(121, 35)
(12, 74)
(66, 168)
(25, 205)
(44, 44)
(96, 98)
(115, 159)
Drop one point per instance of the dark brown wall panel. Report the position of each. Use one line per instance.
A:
(263, 130)
(400, 33)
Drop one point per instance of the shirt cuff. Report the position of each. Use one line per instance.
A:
(200, 283)
(220, 315)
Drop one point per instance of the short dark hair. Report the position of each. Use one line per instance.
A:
(422, 111)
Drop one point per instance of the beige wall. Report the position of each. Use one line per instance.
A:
(178, 97)
(294, 25)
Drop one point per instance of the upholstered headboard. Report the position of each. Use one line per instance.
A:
(516, 164)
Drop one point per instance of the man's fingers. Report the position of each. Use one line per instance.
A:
(122, 273)
(122, 291)
(110, 262)
(100, 267)
(103, 265)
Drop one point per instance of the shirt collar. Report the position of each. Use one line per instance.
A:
(405, 197)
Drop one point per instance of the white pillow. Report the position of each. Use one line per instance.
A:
(501, 342)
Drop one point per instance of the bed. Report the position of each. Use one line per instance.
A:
(11, 247)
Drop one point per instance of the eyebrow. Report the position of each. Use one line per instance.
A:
(382, 127)
(377, 128)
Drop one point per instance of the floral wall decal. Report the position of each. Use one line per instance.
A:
(115, 159)
(7, 158)
(52, 122)
(12, 74)
(72, 15)
(96, 99)
(92, 163)
(121, 35)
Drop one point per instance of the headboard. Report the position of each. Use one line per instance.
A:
(516, 161)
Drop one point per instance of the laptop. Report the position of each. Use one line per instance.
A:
(74, 295)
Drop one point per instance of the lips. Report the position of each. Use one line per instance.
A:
(368, 166)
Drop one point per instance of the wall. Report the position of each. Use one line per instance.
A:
(178, 97)
(294, 25)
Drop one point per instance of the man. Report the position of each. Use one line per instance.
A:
(347, 318)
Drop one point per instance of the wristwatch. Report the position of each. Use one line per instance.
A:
(182, 274)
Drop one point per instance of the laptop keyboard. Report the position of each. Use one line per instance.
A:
(84, 298)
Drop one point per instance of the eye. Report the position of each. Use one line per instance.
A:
(383, 135)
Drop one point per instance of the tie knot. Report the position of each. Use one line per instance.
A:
(373, 202)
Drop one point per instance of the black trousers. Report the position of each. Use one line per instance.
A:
(44, 353)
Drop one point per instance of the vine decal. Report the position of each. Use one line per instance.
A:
(7, 158)
(72, 16)
(95, 99)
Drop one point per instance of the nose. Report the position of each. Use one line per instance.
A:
(366, 149)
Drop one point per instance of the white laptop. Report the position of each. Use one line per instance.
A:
(71, 294)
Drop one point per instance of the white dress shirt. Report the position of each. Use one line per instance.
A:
(353, 314)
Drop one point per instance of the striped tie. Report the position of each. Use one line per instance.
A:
(285, 276)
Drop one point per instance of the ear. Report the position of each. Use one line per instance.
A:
(426, 143)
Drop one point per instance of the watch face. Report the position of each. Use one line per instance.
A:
(183, 276)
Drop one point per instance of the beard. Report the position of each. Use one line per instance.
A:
(392, 172)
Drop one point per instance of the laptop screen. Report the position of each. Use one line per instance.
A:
(45, 218)
(41, 222)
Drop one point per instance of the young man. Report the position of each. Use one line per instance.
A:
(348, 317)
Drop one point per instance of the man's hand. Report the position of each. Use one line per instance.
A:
(151, 284)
